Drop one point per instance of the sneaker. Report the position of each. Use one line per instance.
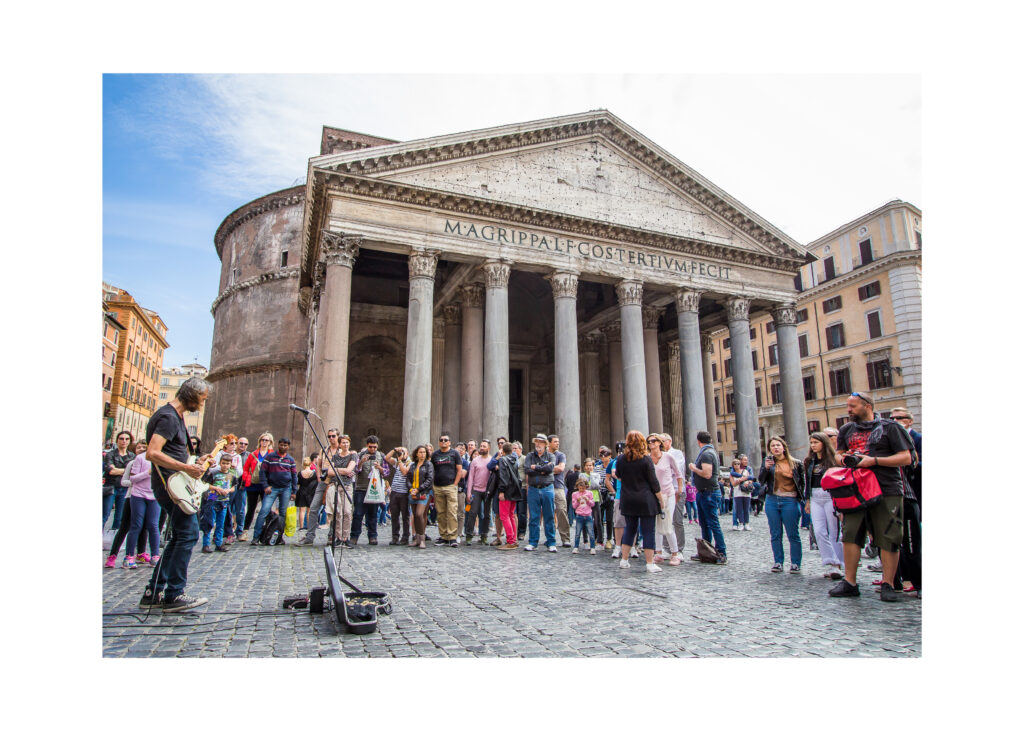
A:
(576, 550)
(674, 561)
(222, 548)
(843, 589)
(149, 600)
(736, 527)
(142, 558)
(552, 549)
(833, 572)
(593, 551)
(183, 602)
(653, 568)
(624, 564)
(497, 542)
(777, 568)
(528, 547)
(508, 547)
(209, 549)
(889, 594)
(372, 541)
(154, 559)
(244, 537)
(402, 542)
(617, 553)
(110, 563)
(440, 541)
(794, 569)
(307, 541)
(634, 553)
(483, 541)
(348, 544)
(566, 544)
(229, 539)
(908, 588)
(129, 563)
(876, 567)
(454, 544)
(658, 558)
(722, 559)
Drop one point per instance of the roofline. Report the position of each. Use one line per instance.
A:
(891, 205)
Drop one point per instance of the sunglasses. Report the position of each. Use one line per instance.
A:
(654, 441)
(264, 440)
(443, 439)
(332, 436)
(863, 398)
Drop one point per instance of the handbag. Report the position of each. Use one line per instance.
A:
(851, 489)
(706, 552)
(374, 488)
(291, 520)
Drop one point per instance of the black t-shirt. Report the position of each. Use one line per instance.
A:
(707, 456)
(340, 462)
(878, 438)
(168, 423)
(446, 466)
(114, 459)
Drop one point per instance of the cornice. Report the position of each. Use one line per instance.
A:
(855, 223)
(878, 265)
(286, 273)
(280, 199)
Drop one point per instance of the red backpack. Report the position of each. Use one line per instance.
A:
(851, 489)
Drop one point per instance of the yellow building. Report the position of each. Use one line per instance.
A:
(140, 356)
(113, 331)
(170, 379)
(859, 329)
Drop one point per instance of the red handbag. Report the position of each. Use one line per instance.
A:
(851, 489)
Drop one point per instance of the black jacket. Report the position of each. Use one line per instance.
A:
(506, 479)
(426, 478)
(540, 468)
(639, 492)
(767, 478)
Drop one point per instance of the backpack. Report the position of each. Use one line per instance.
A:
(706, 552)
(274, 524)
(851, 489)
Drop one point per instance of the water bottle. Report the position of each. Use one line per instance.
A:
(273, 538)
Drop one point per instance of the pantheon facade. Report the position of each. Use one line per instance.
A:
(556, 276)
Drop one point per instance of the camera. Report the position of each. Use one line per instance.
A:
(852, 460)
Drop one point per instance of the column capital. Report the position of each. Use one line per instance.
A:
(706, 342)
(612, 332)
(687, 300)
(422, 264)
(673, 349)
(563, 283)
(650, 316)
(738, 308)
(496, 273)
(630, 292)
(784, 313)
(472, 295)
(452, 314)
(590, 343)
(337, 248)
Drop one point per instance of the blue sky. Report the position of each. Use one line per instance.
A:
(180, 152)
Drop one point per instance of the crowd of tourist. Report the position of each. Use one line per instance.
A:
(634, 500)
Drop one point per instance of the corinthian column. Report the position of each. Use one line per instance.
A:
(652, 364)
(590, 347)
(794, 411)
(472, 411)
(496, 351)
(692, 380)
(419, 348)
(738, 310)
(451, 399)
(709, 383)
(329, 377)
(437, 382)
(616, 409)
(634, 379)
(567, 368)
(675, 391)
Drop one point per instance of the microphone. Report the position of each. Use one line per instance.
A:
(293, 407)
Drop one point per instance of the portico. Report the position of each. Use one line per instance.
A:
(557, 256)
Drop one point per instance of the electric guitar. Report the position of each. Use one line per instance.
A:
(187, 492)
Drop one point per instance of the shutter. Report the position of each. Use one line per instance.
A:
(832, 382)
(871, 377)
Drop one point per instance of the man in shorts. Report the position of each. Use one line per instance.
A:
(882, 446)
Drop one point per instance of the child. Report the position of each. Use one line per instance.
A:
(583, 504)
(691, 502)
(222, 484)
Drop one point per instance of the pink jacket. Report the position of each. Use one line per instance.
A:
(583, 503)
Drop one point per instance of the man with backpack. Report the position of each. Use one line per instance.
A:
(705, 470)
(882, 446)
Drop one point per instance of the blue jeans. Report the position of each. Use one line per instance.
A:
(218, 513)
(145, 515)
(541, 500)
(707, 513)
(237, 506)
(784, 511)
(280, 495)
(691, 510)
(584, 524)
(120, 493)
(362, 513)
(108, 504)
(173, 567)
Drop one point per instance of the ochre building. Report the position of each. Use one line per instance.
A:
(553, 276)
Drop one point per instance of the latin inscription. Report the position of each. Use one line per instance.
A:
(557, 244)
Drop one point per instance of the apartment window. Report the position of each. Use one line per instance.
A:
(869, 290)
(192, 427)
(718, 411)
(809, 389)
(830, 268)
(165, 381)
(832, 304)
(284, 258)
(773, 354)
(124, 389)
(866, 256)
(813, 426)
(801, 343)
(131, 393)
(714, 371)
(727, 343)
(839, 381)
(879, 375)
(776, 393)
(753, 357)
(798, 283)
(728, 367)
(834, 336)
(841, 420)
(757, 394)
(718, 438)
(917, 234)
(129, 353)
(769, 327)
(730, 403)
(801, 315)
(163, 395)
(874, 324)
(753, 334)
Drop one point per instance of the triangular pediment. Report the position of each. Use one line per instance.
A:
(590, 166)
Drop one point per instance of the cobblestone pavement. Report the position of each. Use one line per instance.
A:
(476, 601)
